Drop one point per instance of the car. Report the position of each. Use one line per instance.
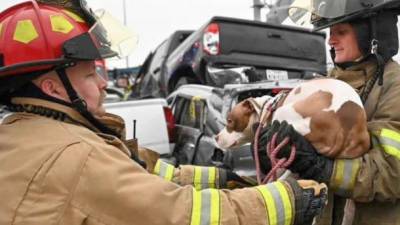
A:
(200, 113)
(264, 51)
(151, 74)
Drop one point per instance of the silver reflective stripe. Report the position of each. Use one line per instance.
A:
(347, 178)
(164, 170)
(204, 178)
(279, 208)
(280, 211)
(206, 207)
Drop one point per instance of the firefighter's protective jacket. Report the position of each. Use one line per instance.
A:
(373, 180)
(60, 172)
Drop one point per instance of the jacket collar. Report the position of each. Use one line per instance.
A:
(72, 116)
(356, 75)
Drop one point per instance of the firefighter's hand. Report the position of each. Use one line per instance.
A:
(311, 197)
(307, 163)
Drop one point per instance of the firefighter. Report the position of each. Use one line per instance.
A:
(364, 38)
(63, 159)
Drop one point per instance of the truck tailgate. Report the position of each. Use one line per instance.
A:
(276, 44)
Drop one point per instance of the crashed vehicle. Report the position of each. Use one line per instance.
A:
(262, 50)
(200, 113)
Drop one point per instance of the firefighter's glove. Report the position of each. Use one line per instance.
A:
(308, 163)
(310, 197)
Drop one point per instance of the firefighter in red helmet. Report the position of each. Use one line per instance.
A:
(63, 159)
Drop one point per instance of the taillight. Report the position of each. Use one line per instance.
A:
(275, 91)
(211, 39)
(170, 119)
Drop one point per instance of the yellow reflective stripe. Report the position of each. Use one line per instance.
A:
(344, 175)
(196, 208)
(286, 204)
(212, 172)
(279, 208)
(60, 24)
(164, 170)
(197, 178)
(73, 16)
(169, 173)
(206, 207)
(215, 207)
(390, 134)
(390, 141)
(25, 32)
(192, 107)
(157, 167)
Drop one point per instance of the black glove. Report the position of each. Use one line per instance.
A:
(308, 163)
(265, 162)
(307, 204)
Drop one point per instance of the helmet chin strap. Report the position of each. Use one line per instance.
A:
(79, 104)
(378, 76)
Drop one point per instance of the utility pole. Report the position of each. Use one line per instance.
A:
(257, 6)
(124, 10)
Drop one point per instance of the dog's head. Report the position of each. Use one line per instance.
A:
(239, 122)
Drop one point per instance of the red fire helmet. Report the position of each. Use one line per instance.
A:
(35, 36)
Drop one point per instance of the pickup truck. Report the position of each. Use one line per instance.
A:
(148, 120)
(269, 51)
(151, 74)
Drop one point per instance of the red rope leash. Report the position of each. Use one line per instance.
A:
(278, 163)
(271, 149)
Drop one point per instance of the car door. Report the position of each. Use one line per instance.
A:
(189, 115)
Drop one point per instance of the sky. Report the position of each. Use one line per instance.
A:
(155, 20)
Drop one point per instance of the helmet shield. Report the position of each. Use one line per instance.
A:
(105, 39)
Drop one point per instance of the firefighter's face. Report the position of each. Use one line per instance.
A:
(344, 41)
(89, 85)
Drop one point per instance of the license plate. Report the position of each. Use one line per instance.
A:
(277, 75)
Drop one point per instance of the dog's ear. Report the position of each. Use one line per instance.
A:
(249, 108)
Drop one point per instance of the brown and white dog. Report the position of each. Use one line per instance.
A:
(327, 112)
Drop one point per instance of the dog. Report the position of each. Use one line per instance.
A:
(327, 112)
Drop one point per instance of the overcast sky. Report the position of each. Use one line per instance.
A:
(155, 20)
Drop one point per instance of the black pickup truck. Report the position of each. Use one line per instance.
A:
(153, 68)
(265, 51)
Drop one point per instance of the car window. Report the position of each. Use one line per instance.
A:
(190, 112)
(158, 57)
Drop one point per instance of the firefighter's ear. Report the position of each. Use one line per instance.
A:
(51, 86)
